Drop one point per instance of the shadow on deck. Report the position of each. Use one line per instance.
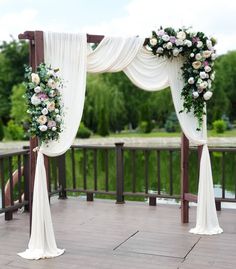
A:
(105, 235)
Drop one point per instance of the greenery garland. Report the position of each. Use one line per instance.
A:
(198, 74)
(43, 99)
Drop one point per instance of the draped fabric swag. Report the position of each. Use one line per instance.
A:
(74, 57)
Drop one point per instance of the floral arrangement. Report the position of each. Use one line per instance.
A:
(199, 54)
(43, 99)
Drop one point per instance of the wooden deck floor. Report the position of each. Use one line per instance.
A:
(104, 235)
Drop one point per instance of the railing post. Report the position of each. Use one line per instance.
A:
(119, 174)
(184, 179)
(62, 175)
(26, 164)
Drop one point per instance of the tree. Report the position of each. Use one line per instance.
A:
(13, 57)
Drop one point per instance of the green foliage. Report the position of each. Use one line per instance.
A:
(172, 124)
(14, 131)
(219, 126)
(145, 127)
(13, 57)
(1, 130)
(83, 131)
(18, 108)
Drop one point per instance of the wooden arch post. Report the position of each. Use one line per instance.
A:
(36, 57)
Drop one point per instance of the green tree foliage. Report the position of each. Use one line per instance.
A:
(13, 56)
(18, 104)
(1, 130)
(224, 98)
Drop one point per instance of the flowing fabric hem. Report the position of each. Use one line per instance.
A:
(198, 230)
(39, 254)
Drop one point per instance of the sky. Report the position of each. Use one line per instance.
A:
(120, 17)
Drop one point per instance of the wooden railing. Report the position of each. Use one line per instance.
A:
(118, 171)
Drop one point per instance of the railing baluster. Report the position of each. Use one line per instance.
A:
(158, 173)
(223, 174)
(62, 175)
(146, 170)
(119, 173)
(133, 170)
(84, 168)
(9, 214)
(19, 177)
(2, 181)
(26, 181)
(95, 169)
(171, 171)
(106, 170)
(73, 167)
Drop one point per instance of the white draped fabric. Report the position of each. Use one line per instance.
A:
(70, 53)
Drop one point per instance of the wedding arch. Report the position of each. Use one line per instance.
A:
(71, 54)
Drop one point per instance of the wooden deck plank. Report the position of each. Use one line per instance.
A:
(104, 235)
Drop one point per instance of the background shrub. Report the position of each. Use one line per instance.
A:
(219, 126)
(83, 131)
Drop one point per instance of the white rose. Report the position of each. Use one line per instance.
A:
(164, 45)
(165, 38)
(198, 56)
(160, 50)
(209, 44)
(169, 45)
(42, 119)
(56, 110)
(54, 129)
(195, 95)
(58, 118)
(199, 44)
(35, 100)
(181, 35)
(175, 52)
(37, 89)
(203, 75)
(188, 43)
(43, 128)
(207, 68)
(35, 78)
(153, 41)
(213, 56)
(192, 55)
(52, 84)
(179, 42)
(206, 53)
(207, 95)
(44, 111)
(191, 80)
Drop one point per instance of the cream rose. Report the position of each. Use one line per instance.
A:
(196, 64)
(207, 95)
(50, 106)
(37, 89)
(160, 50)
(188, 43)
(199, 44)
(169, 45)
(42, 119)
(179, 42)
(198, 56)
(206, 53)
(153, 41)
(181, 35)
(203, 75)
(52, 84)
(35, 78)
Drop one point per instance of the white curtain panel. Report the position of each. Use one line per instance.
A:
(71, 54)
